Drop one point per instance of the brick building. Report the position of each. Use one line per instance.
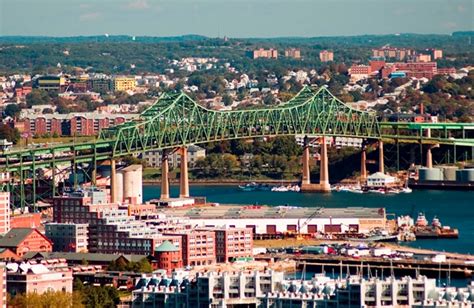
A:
(232, 243)
(417, 69)
(168, 257)
(3, 286)
(4, 212)
(73, 124)
(198, 247)
(22, 240)
(111, 229)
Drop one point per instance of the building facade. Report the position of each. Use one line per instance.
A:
(198, 247)
(37, 278)
(4, 212)
(233, 243)
(326, 56)
(294, 53)
(123, 84)
(153, 158)
(23, 240)
(264, 53)
(68, 237)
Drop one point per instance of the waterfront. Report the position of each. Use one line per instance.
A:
(454, 208)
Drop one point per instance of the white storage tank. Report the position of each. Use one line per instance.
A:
(430, 174)
(465, 176)
(449, 172)
(132, 184)
(119, 185)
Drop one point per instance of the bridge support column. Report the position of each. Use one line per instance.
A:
(183, 176)
(429, 157)
(324, 168)
(323, 186)
(113, 181)
(165, 188)
(363, 164)
(381, 160)
(306, 174)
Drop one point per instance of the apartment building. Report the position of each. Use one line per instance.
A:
(198, 247)
(224, 289)
(326, 56)
(73, 124)
(110, 228)
(264, 53)
(153, 158)
(37, 278)
(68, 237)
(4, 212)
(294, 53)
(122, 83)
(233, 243)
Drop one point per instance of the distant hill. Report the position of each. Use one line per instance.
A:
(99, 38)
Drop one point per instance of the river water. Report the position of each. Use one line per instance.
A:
(453, 208)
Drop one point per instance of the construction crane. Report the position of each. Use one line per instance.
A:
(301, 226)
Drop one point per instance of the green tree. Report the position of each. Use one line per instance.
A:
(38, 97)
(47, 300)
(227, 100)
(9, 133)
(12, 110)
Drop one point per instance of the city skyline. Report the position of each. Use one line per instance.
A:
(267, 18)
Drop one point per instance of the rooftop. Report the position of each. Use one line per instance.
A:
(268, 212)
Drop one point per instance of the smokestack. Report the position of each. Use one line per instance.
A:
(422, 109)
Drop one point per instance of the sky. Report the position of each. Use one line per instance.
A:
(234, 18)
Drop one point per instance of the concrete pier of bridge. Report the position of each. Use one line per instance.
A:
(323, 185)
(165, 187)
(183, 175)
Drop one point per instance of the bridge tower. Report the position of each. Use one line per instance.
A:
(165, 187)
(381, 160)
(183, 175)
(323, 186)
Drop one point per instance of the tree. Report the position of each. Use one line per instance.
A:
(12, 110)
(100, 297)
(37, 97)
(227, 100)
(47, 300)
(9, 133)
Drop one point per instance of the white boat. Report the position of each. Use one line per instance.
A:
(406, 190)
(280, 188)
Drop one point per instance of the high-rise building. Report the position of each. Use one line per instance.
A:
(4, 212)
(293, 53)
(436, 53)
(326, 56)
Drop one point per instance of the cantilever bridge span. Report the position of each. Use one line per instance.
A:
(175, 120)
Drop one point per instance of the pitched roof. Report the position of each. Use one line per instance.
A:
(166, 246)
(14, 237)
(78, 257)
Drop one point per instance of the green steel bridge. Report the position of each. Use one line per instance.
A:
(176, 120)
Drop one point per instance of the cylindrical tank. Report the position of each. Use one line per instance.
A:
(465, 175)
(132, 184)
(449, 172)
(119, 185)
(430, 174)
(469, 175)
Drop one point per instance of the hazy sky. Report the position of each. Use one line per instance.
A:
(234, 18)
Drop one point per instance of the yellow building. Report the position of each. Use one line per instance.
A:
(123, 83)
